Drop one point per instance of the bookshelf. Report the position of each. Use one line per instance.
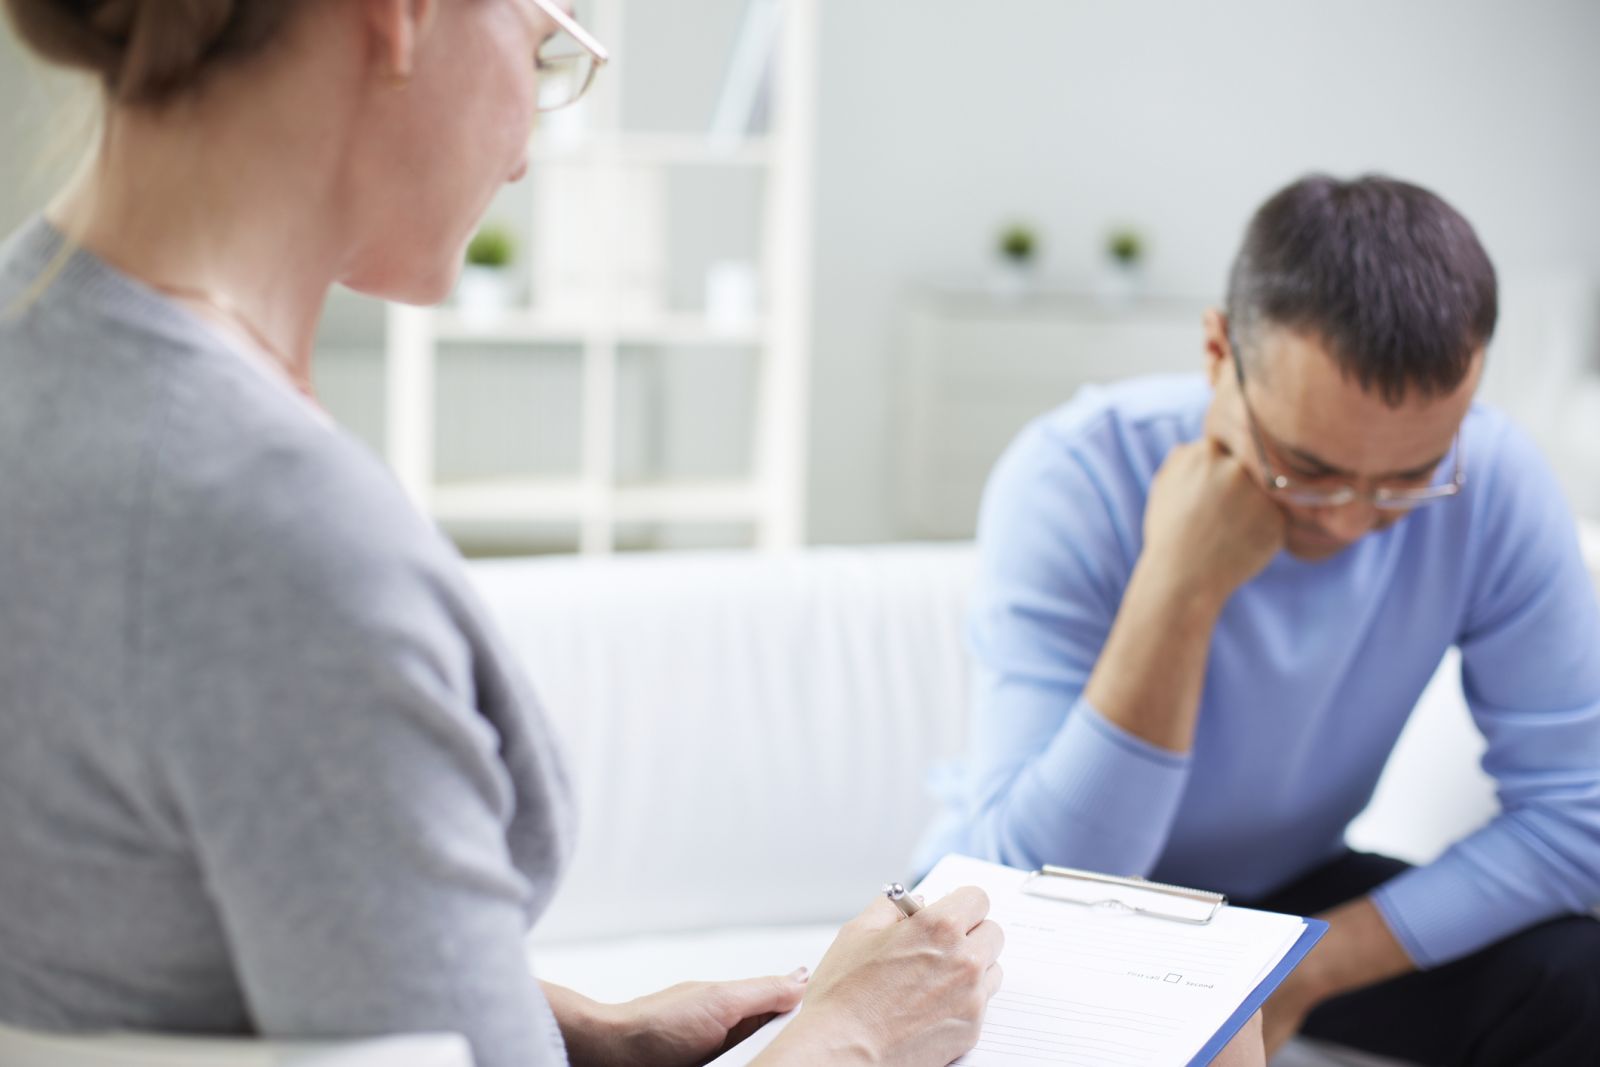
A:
(595, 500)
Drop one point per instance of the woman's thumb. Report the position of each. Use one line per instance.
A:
(769, 995)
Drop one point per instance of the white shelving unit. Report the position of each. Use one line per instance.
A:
(976, 368)
(771, 499)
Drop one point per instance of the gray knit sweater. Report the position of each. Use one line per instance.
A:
(265, 766)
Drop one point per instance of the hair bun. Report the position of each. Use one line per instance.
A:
(163, 43)
(144, 50)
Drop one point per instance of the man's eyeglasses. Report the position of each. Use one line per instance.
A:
(1383, 498)
(568, 61)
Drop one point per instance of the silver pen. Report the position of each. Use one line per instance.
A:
(908, 904)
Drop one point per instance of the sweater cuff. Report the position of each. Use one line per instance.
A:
(1120, 784)
(1439, 913)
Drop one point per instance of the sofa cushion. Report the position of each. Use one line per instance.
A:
(750, 734)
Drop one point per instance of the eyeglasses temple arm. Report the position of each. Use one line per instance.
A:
(571, 25)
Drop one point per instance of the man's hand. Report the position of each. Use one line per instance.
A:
(678, 1027)
(1209, 527)
(1285, 1013)
(1357, 951)
(1246, 1049)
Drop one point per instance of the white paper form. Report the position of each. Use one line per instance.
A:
(1105, 987)
(1097, 987)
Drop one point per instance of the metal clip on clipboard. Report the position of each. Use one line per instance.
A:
(1140, 895)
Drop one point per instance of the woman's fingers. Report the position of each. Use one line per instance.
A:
(986, 940)
(993, 979)
(960, 910)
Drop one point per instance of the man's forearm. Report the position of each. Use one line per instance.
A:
(1151, 672)
(1359, 950)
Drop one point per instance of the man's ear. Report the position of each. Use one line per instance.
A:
(1225, 416)
(1214, 323)
(395, 27)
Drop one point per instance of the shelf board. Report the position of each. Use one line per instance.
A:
(532, 327)
(975, 300)
(688, 502)
(525, 500)
(571, 500)
(656, 149)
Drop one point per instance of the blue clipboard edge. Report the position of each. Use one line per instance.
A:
(1313, 932)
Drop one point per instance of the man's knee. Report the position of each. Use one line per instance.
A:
(1532, 999)
(1548, 995)
(1560, 963)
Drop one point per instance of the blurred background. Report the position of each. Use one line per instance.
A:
(783, 281)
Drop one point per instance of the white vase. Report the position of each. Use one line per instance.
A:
(483, 295)
(1121, 284)
(1013, 279)
(733, 300)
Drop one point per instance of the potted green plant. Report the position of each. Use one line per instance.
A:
(484, 292)
(1124, 257)
(1018, 250)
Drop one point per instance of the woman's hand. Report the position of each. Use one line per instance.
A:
(903, 991)
(682, 1026)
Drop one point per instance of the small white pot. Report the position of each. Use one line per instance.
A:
(1121, 284)
(1013, 279)
(483, 295)
(733, 302)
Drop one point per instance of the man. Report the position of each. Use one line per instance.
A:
(1206, 608)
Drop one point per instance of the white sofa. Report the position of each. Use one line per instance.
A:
(753, 738)
(19, 1048)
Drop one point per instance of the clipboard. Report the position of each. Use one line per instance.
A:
(1174, 903)
(1314, 930)
(1198, 919)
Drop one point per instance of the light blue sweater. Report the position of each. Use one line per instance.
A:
(1313, 671)
(264, 764)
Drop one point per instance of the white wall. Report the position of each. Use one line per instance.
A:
(45, 118)
(1178, 117)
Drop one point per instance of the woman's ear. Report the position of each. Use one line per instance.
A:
(1214, 323)
(395, 27)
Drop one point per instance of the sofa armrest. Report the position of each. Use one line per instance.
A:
(24, 1048)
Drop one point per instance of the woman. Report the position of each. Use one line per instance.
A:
(268, 769)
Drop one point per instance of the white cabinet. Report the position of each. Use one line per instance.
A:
(975, 368)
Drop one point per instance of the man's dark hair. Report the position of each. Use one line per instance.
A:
(1385, 274)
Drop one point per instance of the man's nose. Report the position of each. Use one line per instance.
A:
(1349, 521)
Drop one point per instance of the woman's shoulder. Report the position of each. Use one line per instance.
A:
(244, 467)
